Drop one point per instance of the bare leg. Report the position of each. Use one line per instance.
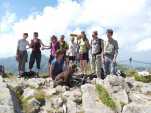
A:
(85, 66)
(81, 66)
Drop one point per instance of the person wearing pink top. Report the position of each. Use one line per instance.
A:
(54, 46)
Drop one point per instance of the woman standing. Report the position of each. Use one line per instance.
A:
(83, 51)
(54, 46)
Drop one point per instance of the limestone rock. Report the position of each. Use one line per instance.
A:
(146, 88)
(1, 79)
(6, 103)
(6, 109)
(121, 96)
(35, 82)
(28, 92)
(50, 92)
(90, 103)
(137, 108)
(140, 98)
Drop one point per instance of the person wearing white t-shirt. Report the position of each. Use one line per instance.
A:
(72, 52)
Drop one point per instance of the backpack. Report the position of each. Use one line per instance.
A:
(100, 42)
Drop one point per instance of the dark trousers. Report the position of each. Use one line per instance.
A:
(110, 67)
(35, 56)
(22, 59)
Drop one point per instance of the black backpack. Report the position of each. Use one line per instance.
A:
(100, 43)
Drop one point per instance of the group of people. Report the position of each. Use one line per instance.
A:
(100, 54)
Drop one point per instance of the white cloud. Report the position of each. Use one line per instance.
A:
(144, 45)
(126, 17)
(109, 11)
(7, 22)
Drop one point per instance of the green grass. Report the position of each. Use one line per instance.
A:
(131, 72)
(27, 107)
(105, 97)
(145, 79)
(40, 96)
(43, 75)
(122, 67)
(23, 102)
(9, 75)
(137, 77)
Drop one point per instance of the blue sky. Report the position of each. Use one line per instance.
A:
(23, 8)
(130, 19)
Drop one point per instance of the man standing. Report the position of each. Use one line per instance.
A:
(97, 47)
(110, 54)
(21, 55)
(36, 52)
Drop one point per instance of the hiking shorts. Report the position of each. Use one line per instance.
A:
(72, 58)
(84, 56)
(51, 58)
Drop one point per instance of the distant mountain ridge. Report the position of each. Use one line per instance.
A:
(11, 65)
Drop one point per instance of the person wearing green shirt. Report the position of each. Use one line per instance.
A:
(84, 47)
(63, 45)
(110, 54)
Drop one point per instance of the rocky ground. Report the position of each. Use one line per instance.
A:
(112, 95)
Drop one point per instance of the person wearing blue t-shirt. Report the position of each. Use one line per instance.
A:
(57, 65)
(58, 72)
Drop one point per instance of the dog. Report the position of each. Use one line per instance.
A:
(65, 76)
(30, 74)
